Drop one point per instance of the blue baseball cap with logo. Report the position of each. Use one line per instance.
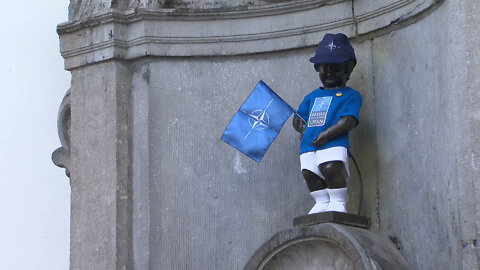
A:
(334, 48)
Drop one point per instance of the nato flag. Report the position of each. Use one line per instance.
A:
(258, 122)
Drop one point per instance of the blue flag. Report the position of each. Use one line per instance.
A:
(258, 122)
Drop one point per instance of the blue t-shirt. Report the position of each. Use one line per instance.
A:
(322, 108)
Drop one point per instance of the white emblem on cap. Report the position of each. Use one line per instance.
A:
(332, 46)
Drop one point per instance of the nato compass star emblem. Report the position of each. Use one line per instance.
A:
(258, 119)
(332, 46)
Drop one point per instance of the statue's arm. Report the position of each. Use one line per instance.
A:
(298, 125)
(344, 125)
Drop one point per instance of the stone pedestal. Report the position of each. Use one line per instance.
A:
(328, 246)
(332, 217)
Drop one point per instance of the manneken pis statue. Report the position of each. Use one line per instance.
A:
(331, 112)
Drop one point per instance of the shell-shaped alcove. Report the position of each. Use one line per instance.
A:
(308, 254)
(327, 246)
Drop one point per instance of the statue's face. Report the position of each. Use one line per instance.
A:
(332, 75)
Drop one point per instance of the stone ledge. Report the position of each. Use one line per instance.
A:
(334, 217)
(226, 9)
(137, 33)
(182, 14)
(142, 32)
(387, 13)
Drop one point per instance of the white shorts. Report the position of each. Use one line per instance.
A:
(311, 160)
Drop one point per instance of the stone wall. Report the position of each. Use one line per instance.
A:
(153, 187)
(425, 106)
(415, 131)
(210, 207)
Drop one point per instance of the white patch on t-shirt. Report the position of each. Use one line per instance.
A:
(318, 115)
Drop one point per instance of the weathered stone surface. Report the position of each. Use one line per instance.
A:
(364, 146)
(372, 15)
(154, 123)
(332, 217)
(136, 33)
(310, 255)
(165, 95)
(140, 167)
(61, 156)
(115, 29)
(205, 197)
(79, 9)
(426, 117)
(196, 196)
(462, 80)
(329, 246)
(100, 211)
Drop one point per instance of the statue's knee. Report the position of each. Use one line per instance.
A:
(310, 176)
(332, 169)
(314, 182)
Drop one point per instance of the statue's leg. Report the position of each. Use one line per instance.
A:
(336, 178)
(335, 174)
(314, 182)
(318, 190)
(317, 187)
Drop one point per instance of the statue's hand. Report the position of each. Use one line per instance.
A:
(299, 126)
(321, 138)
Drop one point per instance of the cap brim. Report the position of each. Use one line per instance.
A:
(328, 59)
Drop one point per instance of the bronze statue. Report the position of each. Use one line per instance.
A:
(331, 112)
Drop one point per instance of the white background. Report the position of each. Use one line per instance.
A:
(34, 194)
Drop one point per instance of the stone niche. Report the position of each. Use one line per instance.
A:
(154, 83)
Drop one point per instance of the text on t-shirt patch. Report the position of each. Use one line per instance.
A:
(319, 111)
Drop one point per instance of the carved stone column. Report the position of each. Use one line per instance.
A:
(100, 170)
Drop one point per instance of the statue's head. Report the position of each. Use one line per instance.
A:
(334, 60)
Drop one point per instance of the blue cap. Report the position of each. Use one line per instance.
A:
(334, 48)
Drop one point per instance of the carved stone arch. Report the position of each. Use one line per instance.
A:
(329, 245)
